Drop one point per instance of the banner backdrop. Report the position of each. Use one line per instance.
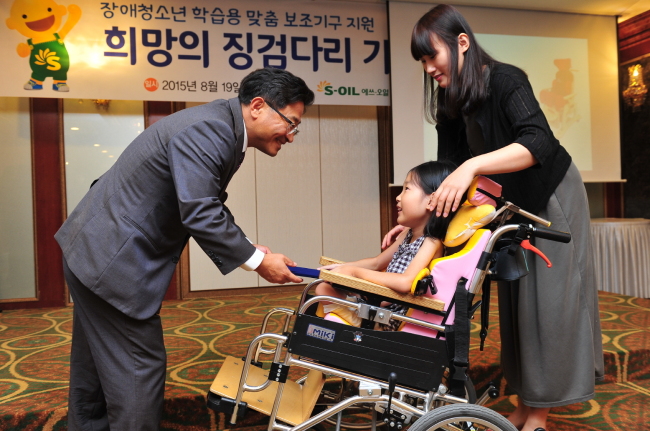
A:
(191, 50)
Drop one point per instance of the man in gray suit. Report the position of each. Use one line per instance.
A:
(122, 242)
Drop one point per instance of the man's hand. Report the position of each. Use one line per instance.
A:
(264, 249)
(274, 269)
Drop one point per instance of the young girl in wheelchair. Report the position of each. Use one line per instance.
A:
(398, 265)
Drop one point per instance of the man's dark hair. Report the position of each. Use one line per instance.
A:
(276, 86)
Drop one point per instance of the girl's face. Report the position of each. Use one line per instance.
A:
(437, 65)
(413, 205)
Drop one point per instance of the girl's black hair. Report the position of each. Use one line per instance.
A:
(429, 176)
(465, 90)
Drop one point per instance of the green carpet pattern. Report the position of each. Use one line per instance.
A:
(199, 333)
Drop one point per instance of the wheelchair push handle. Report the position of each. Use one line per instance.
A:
(533, 217)
(550, 234)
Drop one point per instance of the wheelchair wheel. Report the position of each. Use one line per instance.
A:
(466, 417)
(470, 390)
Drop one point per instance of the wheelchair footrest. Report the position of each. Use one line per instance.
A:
(298, 400)
(226, 405)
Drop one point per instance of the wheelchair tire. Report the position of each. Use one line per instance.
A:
(470, 390)
(469, 417)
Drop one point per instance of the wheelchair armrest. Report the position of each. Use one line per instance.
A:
(377, 289)
(329, 261)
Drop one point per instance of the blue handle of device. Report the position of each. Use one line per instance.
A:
(304, 272)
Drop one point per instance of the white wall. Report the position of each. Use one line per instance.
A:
(94, 138)
(17, 262)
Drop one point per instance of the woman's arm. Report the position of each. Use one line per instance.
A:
(399, 282)
(512, 158)
(530, 139)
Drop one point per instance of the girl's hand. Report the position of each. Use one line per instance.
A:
(389, 238)
(449, 195)
(330, 266)
(346, 270)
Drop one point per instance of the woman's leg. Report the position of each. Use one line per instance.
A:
(520, 415)
(528, 418)
(536, 418)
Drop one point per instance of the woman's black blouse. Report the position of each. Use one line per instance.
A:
(512, 114)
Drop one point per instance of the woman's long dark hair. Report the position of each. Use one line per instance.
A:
(465, 90)
(429, 176)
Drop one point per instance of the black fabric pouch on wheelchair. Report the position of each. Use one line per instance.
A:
(419, 362)
(509, 267)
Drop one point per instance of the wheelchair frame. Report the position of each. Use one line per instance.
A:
(399, 404)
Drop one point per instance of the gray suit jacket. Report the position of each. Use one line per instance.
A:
(125, 237)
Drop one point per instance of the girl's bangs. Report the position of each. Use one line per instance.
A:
(421, 42)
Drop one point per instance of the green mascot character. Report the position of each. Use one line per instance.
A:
(41, 21)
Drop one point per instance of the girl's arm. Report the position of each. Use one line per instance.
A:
(377, 263)
(512, 158)
(399, 282)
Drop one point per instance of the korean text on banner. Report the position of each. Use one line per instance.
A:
(196, 51)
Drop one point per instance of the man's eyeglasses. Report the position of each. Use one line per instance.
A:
(292, 128)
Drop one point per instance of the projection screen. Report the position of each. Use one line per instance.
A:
(549, 47)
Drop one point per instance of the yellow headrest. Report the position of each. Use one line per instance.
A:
(476, 237)
(467, 220)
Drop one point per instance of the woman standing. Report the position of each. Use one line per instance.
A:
(489, 123)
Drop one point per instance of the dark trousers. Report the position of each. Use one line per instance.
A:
(117, 366)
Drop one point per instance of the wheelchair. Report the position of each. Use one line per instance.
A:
(413, 378)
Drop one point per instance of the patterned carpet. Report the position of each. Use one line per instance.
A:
(35, 346)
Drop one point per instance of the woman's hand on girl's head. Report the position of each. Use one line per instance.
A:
(390, 237)
(449, 195)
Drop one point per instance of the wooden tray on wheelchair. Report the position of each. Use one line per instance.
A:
(360, 285)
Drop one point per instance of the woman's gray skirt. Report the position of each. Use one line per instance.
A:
(551, 346)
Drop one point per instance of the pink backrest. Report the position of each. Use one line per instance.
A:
(446, 272)
(477, 198)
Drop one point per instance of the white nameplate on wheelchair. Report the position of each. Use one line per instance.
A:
(321, 333)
